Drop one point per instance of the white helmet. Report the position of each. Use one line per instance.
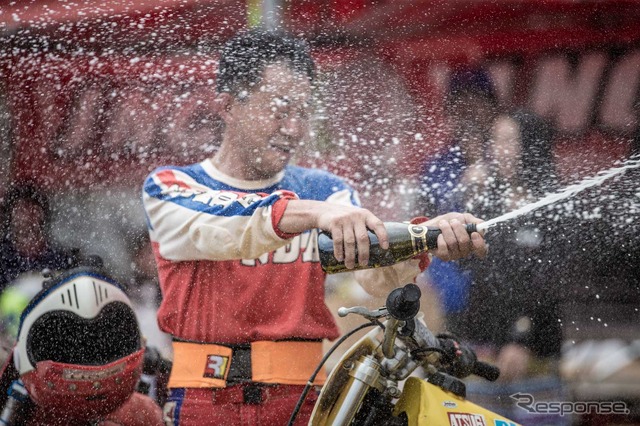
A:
(79, 345)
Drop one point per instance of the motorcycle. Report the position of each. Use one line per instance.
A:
(372, 383)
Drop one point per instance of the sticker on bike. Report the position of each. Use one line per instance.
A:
(466, 419)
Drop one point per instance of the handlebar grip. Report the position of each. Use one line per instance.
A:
(486, 370)
(433, 233)
(404, 303)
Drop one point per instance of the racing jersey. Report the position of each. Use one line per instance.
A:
(227, 273)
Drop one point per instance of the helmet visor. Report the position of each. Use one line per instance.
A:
(65, 337)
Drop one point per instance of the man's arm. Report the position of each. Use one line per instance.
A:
(347, 224)
(191, 221)
(352, 223)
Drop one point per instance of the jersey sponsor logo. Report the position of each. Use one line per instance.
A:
(301, 247)
(216, 367)
(174, 184)
(466, 419)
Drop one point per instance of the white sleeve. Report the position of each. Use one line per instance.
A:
(191, 221)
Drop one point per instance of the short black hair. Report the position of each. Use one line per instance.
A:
(469, 79)
(245, 56)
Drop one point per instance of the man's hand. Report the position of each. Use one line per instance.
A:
(347, 224)
(348, 227)
(455, 242)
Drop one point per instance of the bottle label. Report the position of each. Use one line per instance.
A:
(418, 238)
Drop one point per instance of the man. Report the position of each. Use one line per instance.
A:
(234, 239)
(453, 179)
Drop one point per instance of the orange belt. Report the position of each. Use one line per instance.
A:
(206, 365)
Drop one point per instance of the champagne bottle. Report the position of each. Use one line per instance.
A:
(405, 241)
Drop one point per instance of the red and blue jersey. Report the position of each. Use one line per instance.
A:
(227, 273)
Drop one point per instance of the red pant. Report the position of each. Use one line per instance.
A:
(236, 405)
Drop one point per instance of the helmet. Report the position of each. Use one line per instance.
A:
(79, 350)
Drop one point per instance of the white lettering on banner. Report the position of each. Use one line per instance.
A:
(136, 124)
(129, 119)
(576, 90)
(78, 129)
(191, 118)
(466, 419)
(618, 110)
(47, 103)
(567, 95)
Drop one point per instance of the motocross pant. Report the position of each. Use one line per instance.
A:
(242, 404)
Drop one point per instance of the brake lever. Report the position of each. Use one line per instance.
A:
(364, 312)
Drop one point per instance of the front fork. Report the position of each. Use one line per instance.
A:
(364, 374)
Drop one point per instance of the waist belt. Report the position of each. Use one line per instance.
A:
(207, 365)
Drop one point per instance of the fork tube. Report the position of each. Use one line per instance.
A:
(363, 376)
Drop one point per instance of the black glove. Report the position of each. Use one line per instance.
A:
(458, 359)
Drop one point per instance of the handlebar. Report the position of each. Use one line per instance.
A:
(401, 308)
(403, 304)
(486, 371)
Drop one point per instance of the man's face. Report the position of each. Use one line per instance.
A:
(506, 149)
(271, 121)
(472, 116)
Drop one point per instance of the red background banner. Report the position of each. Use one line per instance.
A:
(101, 93)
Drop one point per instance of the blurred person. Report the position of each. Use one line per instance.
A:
(515, 274)
(145, 294)
(234, 241)
(471, 107)
(144, 291)
(13, 299)
(27, 245)
(78, 357)
(601, 289)
(26, 249)
(513, 312)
